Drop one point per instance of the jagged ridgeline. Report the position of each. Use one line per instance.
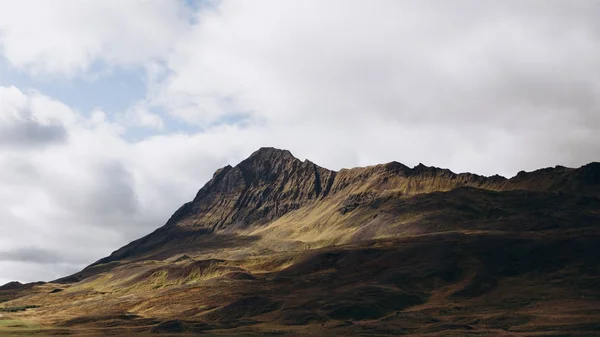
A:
(276, 245)
(284, 203)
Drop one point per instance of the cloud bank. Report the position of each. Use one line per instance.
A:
(481, 86)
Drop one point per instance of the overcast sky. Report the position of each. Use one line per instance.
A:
(113, 113)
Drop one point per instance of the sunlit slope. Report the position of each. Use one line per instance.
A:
(283, 246)
(283, 203)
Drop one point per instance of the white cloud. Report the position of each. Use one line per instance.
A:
(67, 37)
(462, 85)
(22, 125)
(139, 115)
(473, 78)
(82, 197)
(480, 86)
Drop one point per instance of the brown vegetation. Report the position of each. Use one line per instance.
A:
(279, 246)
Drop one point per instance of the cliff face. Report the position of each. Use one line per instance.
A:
(267, 185)
(275, 196)
(272, 182)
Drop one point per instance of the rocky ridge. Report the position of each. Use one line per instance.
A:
(272, 183)
(283, 246)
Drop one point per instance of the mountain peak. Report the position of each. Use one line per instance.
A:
(266, 165)
(271, 183)
(270, 153)
(11, 285)
(264, 186)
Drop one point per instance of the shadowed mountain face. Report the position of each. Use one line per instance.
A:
(279, 245)
(272, 183)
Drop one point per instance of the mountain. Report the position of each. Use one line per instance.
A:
(280, 245)
(255, 195)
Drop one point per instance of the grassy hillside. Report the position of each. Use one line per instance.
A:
(275, 246)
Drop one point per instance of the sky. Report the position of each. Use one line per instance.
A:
(114, 113)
